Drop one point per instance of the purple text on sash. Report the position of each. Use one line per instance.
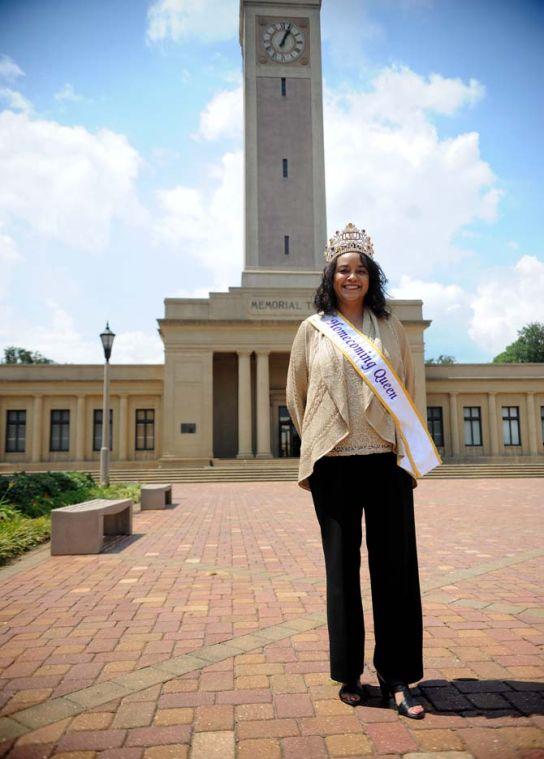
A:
(365, 360)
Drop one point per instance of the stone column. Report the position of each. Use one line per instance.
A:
(454, 425)
(531, 424)
(37, 428)
(263, 406)
(493, 423)
(123, 427)
(80, 428)
(244, 406)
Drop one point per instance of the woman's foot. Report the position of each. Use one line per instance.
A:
(414, 710)
(352, 693)
(403, 698)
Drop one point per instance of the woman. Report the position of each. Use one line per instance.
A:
(350, 450)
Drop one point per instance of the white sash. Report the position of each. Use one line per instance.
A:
(374, 368)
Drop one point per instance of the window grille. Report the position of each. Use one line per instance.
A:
(15, 431)
(510, 425)
(145, 429)
(473, 425)
(59, 439)
(435, 424)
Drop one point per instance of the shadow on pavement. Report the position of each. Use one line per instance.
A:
(470, 697)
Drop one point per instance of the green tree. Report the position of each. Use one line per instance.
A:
(528, 348)
(441, 361)
(15, 355)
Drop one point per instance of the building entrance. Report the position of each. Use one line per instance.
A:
(289, 440)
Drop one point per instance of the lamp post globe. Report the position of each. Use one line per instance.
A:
(107, 338)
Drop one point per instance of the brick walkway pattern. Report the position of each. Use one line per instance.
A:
(203, 635)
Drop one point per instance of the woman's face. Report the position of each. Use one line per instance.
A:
(351, 279)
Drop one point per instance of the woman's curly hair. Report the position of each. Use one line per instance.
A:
(325, 298)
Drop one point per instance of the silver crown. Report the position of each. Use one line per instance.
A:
(350, 239)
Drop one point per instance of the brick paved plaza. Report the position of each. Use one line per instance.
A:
(204, 634)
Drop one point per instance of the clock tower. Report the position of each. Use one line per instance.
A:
(285, 214)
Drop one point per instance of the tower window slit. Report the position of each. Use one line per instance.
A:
(286, 245)
(285, 168)
(283, 86)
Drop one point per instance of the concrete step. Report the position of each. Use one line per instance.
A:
(289, 473)
(277, 470)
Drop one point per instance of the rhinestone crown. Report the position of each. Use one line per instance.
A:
(350, 239)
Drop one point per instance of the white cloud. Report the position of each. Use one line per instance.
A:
(56, 336)
(197, 292)
(399, 93)
(138, 347)
(206, 224)
(223, 116)
(438, 299)
(66, 183)
(10, 257)
(208, 20)
(388, 170)
(15, 100)
(509, 298)
(8, 250)
(447, 306)
(67, 93)
(59, 338)
(164, 156)
(490, 315)
(9, 70)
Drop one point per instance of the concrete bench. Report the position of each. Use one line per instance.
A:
(81, 528)
(155, 496)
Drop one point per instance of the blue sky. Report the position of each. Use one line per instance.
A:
(121, 158)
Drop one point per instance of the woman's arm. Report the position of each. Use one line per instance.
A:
(297, 378)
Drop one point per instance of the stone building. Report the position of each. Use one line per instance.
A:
(220, 393)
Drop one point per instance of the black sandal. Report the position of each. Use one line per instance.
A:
(408, 702)
(352, 690)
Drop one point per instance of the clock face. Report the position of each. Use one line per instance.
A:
(283, 41)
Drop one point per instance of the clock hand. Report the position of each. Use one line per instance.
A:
(282, 43)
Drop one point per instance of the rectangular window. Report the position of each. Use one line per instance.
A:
(15, 431)
(145, 429)
(59, 439)
(97, 429)
(473, 425)
(510, 425)
(286, 245)
(283, 86)
(285, 168)
(436, 425)
(542, 423)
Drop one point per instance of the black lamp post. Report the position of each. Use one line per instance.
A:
(107, 338)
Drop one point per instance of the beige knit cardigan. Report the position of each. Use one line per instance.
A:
(317, 393)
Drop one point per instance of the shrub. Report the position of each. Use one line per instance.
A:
(19, 534)
(35, 494)
(117, 490)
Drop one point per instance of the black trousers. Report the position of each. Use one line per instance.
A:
(342, 487)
